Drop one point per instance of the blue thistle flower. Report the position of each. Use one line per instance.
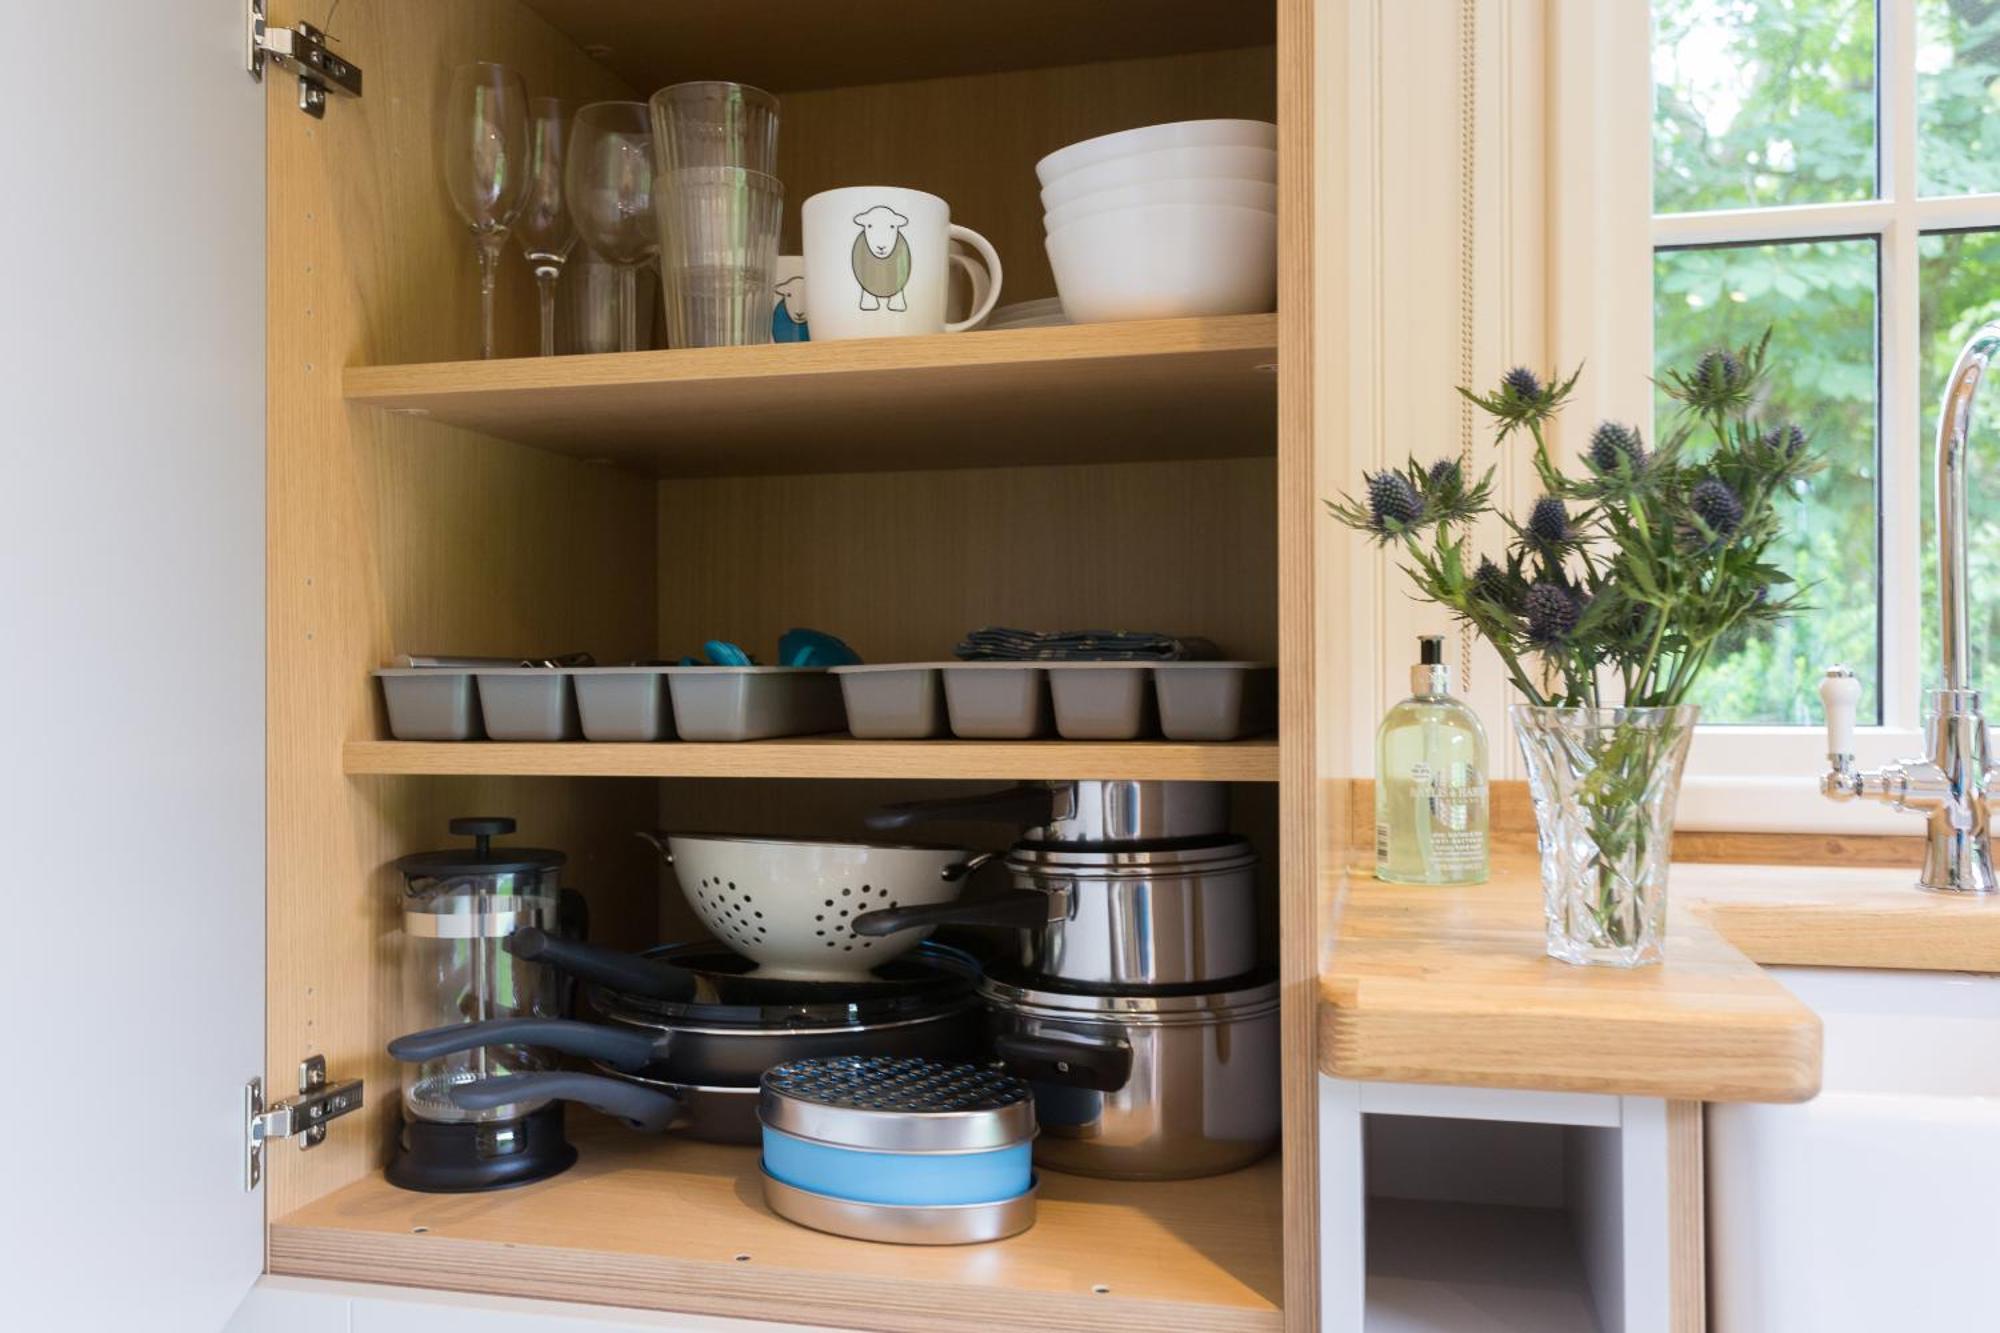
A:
(1548, 521)
(1717, 506)
(1445, 474)
(1393, 503)
(1523, 383)
(1787, 441)
(1489, 581)
(1552, 613)
(1614, 447)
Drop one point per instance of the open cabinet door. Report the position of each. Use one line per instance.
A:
(132, 618)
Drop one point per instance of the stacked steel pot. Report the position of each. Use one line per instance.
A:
(1135, 1006)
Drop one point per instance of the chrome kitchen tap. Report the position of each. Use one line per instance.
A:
(1949, 787)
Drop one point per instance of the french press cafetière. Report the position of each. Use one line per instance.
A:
(459, 907)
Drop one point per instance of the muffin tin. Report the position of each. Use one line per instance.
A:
(637, 703)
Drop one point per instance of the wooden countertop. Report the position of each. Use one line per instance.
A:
(1452, 986)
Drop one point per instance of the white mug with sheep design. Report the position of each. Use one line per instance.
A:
(878, 263)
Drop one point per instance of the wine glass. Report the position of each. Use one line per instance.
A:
(485, 166)
(609, 180)
(544, 227)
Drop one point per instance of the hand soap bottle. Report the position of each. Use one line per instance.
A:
(1430, 782)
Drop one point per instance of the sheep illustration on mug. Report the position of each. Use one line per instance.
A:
(882, 258)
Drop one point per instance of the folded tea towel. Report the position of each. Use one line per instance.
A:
(997, 643)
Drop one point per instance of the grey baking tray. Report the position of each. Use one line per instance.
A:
(899, 702)
(528, 704)
(627, 703)
(1103, 701)
(714, 703)
(427, 704)
(997, 701)
(1216, 701)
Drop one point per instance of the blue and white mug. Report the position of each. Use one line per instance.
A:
(788, 300)
(878, 263)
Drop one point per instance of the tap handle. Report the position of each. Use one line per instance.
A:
(1839, 693)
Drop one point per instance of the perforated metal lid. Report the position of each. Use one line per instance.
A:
(883, 1103)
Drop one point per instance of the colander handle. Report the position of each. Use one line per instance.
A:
(967, 868)
(624, 1048)
(649, 1110)
(1026, 805)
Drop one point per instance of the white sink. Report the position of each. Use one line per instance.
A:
(1875, 1206)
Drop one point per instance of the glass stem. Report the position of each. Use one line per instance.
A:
(628, 308)
(489, 276)
(545, 281)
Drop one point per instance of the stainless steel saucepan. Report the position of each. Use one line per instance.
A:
(1115, 917)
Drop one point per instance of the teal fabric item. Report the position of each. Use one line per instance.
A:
(898, 1178)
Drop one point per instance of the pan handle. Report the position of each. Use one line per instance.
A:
(635, 976)
(1026, 805)
(1098, 1066)
(646, 1109)
(592, 1041)
(1023, 909)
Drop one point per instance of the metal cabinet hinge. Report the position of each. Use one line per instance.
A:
(303, 48)
(304, 1117)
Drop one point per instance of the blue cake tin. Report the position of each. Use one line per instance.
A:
(898, 1149)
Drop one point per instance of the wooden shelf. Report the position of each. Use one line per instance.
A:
(1154, 389)
(1452, 985)
(824, 757)
(782, 45)
(668, 1224)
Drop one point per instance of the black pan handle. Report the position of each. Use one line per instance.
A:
(620, 1047)
(607, 967)
(1023, 909)
(649, 1110)
(1097, 1066)
(1024, 805)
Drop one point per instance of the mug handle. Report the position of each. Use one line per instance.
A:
(982, 307)
(975, 274)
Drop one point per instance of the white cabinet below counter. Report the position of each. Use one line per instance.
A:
(1873, 1206)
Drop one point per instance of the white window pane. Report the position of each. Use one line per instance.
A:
(1958, 96)
(1961, 291)
(1819, 297)
(1759, 102)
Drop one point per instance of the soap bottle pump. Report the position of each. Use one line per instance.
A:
(1430, 782)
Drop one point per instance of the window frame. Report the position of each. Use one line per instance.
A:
(1765, 776)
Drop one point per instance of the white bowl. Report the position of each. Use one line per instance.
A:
(1183, 190)
(1151, 138)
(1164, 261)
(1250, 164)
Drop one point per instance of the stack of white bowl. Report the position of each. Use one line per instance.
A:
(1165, 221)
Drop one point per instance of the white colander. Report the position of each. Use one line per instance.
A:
(787, 904)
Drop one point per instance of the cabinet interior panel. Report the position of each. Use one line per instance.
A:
(902, 564)
(783, 46)
(974, 141)
(379, 542)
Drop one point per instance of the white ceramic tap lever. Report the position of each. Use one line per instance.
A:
(1839, 694)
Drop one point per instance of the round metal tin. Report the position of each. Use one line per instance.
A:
(903, 1224)
(897, 1104)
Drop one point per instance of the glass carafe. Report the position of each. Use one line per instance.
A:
(459, 907)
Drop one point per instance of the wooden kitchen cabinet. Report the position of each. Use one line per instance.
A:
(895, 492)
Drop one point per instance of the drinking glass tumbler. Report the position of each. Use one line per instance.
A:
(485, 167)
(719, 243)
(544, 227)
(609, 180)
(715, 124)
